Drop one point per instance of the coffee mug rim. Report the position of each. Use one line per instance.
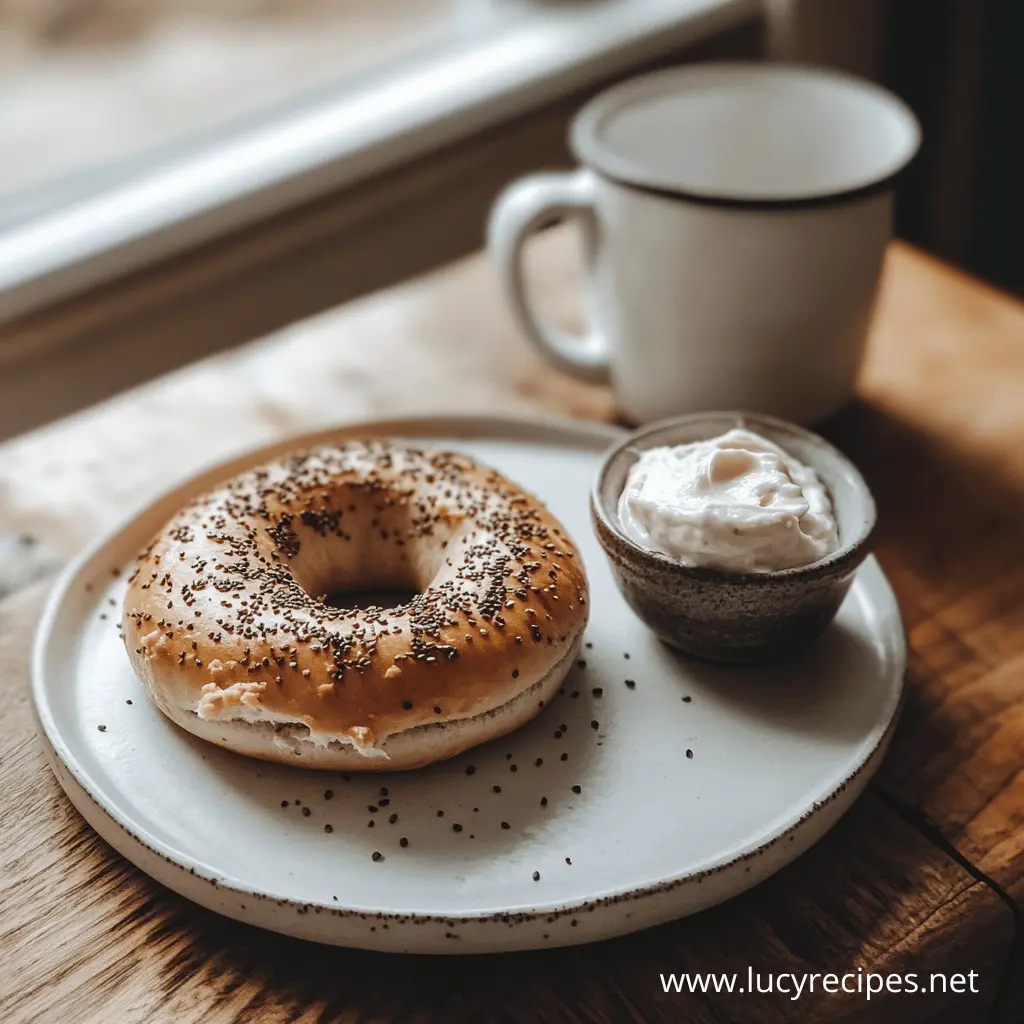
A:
(590, 152)
(822, 199)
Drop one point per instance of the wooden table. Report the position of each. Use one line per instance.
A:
(925, 874)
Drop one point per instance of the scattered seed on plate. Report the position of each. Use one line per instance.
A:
(631, 683)
(564, 757)
(470, 769)
(456, 827)
(392, 818)
(496, 789)
(689, 753)
(284, 803)
(377, 855)
(543, 801)
(536, 876)
(328, 794)
(538, 762)
(505, 825)
(101, 728)
(686, 700)
(305, 812)
(403, 842)
(568, 860)
(328, 828)
(597, 691)
(577, 789)
(595, 724)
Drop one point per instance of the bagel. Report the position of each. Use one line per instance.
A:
(227, 623)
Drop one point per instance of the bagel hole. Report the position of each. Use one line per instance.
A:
(371, 597)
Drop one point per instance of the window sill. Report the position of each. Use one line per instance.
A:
(353, 191)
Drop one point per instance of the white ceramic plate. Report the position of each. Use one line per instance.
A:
(694, 784)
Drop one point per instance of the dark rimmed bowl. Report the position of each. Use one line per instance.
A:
(744, 617)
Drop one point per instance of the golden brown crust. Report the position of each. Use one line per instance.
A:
(221, 621)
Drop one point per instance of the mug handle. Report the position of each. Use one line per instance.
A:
(523, 208)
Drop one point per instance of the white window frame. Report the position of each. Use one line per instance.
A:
(82, 275)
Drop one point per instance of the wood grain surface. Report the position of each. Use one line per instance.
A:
(925, 874)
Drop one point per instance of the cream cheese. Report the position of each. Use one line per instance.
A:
(736, 502)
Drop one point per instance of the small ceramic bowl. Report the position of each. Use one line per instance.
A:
(735, 616)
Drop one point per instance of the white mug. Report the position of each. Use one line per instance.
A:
(734, 219)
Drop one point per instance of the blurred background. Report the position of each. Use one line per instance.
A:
(215, 165)
(88, 84)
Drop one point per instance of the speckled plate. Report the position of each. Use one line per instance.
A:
(651, 788)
